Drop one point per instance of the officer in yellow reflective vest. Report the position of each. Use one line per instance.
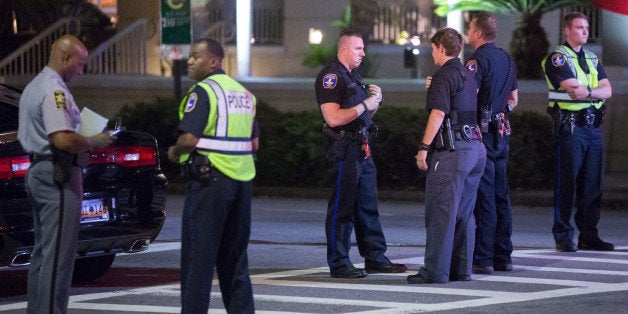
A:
(578, 87)
(219, 136)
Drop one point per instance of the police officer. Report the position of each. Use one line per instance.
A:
(578, 87)
(49, 120)
(454, 167)
(496, 77)
(347, 105)
(216, 147)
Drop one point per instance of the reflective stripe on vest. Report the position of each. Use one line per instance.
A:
(219, 141)
(560, 95)
(225, 145)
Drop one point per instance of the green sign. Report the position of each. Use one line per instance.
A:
(175, 22)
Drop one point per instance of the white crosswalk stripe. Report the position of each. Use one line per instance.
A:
(541, 282)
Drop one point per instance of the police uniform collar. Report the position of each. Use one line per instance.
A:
(217, 71)
(453, 60)
(578, 53)
(50, 71)
(487, 45)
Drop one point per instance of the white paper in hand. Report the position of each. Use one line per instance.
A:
(91, 122)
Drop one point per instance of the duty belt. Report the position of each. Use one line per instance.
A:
(39, 157)
(582, 117)
(359, 136)
(467, 133)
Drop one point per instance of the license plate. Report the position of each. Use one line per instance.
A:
(94, 210)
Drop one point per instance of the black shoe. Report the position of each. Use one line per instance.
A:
(598, 245)
(503, 267)
(484, 270)
(418, 279)
(385, 268)
(460, 278)
(348, 273)
(566, 247)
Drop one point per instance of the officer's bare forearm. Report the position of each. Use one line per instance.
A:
(335, 116)
(70, 142)
(603, 91)
(433, 124)
(513, 98)
(185, 144)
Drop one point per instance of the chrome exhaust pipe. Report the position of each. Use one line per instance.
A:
(138, 245)
(21, 259)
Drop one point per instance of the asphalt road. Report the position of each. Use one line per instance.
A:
(289, 273)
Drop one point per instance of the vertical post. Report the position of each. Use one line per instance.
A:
(243, 40)
(177, 72)
(454, 20)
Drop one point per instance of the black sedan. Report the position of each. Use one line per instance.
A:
(124, 197)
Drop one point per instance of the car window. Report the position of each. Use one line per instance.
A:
(9, 110)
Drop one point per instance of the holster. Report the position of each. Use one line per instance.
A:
(334, 143)
(445, 138)
(557, 118)
(600, 116)
(62, 162)
(197, 167)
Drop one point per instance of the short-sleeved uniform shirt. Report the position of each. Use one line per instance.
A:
(560, 71)
(495, 74)
(46, 107)
(336, 84)
(195, 120)
(453, 88)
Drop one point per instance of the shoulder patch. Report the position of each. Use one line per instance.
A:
(191, 103)
(472, 65)
(330, 80)
(59, 98)
(558, 60)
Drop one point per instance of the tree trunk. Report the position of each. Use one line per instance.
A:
(529, 45)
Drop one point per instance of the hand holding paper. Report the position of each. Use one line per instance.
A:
(92, 123)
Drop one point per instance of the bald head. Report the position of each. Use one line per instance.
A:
(68, 57)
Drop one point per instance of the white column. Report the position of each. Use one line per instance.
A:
(454, 20)
(243, 39)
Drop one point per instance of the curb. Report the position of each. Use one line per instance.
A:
(616, 199)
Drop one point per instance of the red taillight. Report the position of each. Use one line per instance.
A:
(125, 156)
(14, 167)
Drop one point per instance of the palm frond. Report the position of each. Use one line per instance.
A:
(494, 6)
(505, 6)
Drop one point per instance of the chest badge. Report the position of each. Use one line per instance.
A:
(59, 98)
(558, 60)
(330, 81)
(472, 65)
(191, 103)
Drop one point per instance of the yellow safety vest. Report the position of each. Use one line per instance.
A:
(559, 96)
(226, 138)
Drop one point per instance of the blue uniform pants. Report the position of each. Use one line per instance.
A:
(493, 245)
(450, 194)
(579, 182)
(216, 226)
(353, 203)
(56, 214)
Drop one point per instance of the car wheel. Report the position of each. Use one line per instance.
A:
(91, 268)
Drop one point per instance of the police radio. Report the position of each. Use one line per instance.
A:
(485, 119)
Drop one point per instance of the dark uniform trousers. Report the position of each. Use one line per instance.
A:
(353, 203)
(579, 170)
(56, 213)
(492, 209)
(450, 194)
(216, 228)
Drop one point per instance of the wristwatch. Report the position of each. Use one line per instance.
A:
(424, 147)
(589, 89)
